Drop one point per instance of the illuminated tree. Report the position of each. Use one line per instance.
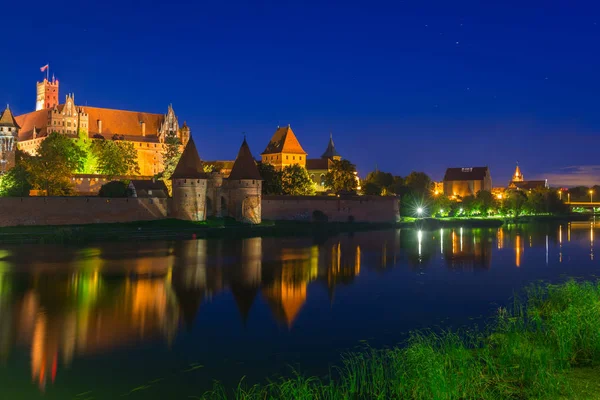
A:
(16, 182)
(341, 176)
(115, 189)
(58, 157)
(271, 179)
(418, 182)
(171, 154)
(116, 157)
(295, 181)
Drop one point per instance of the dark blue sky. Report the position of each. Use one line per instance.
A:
(413, 85)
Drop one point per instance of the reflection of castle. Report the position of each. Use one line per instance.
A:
(467, 249)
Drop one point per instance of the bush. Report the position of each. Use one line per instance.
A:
(115, 189)
(319, 216)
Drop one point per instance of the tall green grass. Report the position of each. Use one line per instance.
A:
(527, 352)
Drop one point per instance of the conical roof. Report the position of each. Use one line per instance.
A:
(330, 152)
(518, 176)
(7, 119)
(189, 165)
(284, 141)
(244, 166)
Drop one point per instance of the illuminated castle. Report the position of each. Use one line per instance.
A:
(518, 182)
(146, 131)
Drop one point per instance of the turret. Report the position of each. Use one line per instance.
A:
(245, 186)
(331, 152)
(184, 133)
(9, 130)
(189, 186)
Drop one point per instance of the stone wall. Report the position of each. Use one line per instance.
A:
(337, 209)
(78, 210)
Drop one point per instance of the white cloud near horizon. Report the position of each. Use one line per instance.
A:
(576, 175)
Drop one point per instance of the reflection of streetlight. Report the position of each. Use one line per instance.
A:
(591, 196)
(568, 197)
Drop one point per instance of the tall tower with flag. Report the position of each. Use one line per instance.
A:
(47, 91)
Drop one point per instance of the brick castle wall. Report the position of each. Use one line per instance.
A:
(79, 210)
(337, 209)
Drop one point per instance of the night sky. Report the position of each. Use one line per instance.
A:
(404, 85)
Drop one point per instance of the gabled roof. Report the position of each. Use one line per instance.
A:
(120, 122)
(189, 165)
(284, 141)
(146, 185)
(330, 152)
(244, 166)
(466, 174)
(529, 185)
(7, 119)
(318, 163)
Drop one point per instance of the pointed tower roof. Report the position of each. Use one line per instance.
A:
(189, 165)
(284, 141)
(244, 166)
(330, 152)
(244, 298)
(518, 176)
(7, 119)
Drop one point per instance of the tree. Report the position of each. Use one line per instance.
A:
(515, 202)
(419, 182)
(115, 189)
(116, 157)
(371, 188)
(171, 154)
(341, 176)
(486, 203)
(58, 157)
(15, 183)
(441, 205)
(377, 181)
(271, 179)
(86, 145)
(295, 181)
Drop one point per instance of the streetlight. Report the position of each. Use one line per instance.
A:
(560, 193)
(591, 196)
(420, 211)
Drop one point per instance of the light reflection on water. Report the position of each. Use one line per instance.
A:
(61, 304)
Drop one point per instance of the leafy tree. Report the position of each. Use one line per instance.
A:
(371, 188)
(295, 181)
(116, 157)
(441, 205)
(171, 154)
(419, 182)
(486, 203)
(15, 183)
(515, 202)
(271, 179)
(341, 176)
(86, 145)
(115, 189)
(378, 180)
(58, 157)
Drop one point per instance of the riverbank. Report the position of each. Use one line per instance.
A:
(228, 228)
(546, 347)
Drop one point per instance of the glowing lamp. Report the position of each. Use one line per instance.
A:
(420, 210)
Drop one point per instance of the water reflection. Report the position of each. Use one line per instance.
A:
(62, 303)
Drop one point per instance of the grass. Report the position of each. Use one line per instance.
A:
(546, 347)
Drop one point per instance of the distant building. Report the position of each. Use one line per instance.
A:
(148, 188)
(9, 130)
(318, 167)
(518, 182)
(284, 149)
(462, 182)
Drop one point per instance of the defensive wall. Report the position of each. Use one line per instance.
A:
(91, 210)
(79, 210)
(337, 209)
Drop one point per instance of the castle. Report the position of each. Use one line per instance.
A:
(146, 131)
(197, 195)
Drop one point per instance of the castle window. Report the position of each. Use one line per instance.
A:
(300, 158)
(287, 157)
(294, 158)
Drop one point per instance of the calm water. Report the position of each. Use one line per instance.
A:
(168, 318)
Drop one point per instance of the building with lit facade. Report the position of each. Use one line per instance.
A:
(146, 131)
(462, 182)
(518, 182)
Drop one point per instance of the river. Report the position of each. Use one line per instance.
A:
(164, 319)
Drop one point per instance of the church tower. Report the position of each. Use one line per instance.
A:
(518, 176)
(331, 152)
(47, 94)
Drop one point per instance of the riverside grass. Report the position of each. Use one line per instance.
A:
(532, 351)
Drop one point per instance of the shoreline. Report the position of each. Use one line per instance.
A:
(172, 229)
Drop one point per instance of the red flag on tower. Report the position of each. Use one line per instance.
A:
(45, 67)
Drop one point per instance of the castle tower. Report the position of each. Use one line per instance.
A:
(9, 130)
(189, 186)
(244, 186)
(47, 94)
(284, 149)
(184, 133)
(518, 176)
(331, 152)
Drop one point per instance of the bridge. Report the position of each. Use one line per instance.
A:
(583, 204)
